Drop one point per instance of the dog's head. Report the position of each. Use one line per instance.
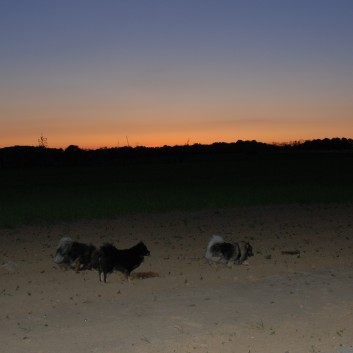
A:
(142, 249)
(63, 250)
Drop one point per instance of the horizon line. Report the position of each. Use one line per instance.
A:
(273, 143)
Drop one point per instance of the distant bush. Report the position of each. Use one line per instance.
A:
(29, 156)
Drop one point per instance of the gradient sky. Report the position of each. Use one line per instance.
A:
(162, 72)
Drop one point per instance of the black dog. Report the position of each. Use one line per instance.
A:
(227, 253)
(110, 258)
(76, 255)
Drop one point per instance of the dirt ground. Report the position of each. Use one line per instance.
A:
(279, 303)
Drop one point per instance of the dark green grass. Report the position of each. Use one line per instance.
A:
(46, 195)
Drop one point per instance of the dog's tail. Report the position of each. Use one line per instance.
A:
(62, 250)
(215, 239)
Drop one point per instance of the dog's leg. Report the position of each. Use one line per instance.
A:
(77, 265)
(102, 276)
(127, 276)
(230, 264)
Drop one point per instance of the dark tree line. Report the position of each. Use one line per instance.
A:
(29, 156)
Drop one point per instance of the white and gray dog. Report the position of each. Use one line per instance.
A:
(79, 256)
(218, 251)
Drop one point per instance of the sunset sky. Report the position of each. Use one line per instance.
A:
(106, 73)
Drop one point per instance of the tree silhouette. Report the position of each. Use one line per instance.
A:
(42, 141)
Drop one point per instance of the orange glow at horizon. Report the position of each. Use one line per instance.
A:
(92, 141)
(92, 133)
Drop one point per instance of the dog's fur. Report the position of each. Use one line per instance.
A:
(112, 259)
(72, 254)
(219, 251)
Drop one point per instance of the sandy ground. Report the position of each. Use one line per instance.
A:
(279, 303)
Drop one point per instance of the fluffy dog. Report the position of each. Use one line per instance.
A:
(219, 251)
(112, 259)
(72, 254)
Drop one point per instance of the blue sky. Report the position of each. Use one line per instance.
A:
(91, 73)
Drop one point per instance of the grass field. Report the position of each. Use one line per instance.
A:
(46, 195)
